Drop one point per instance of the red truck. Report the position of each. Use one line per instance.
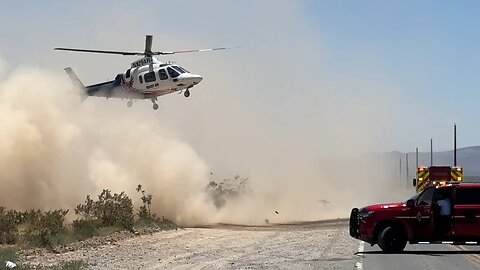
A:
(423, 218)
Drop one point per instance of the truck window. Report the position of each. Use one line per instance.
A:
(127, 74)
(149, 77)
(467, 196)
(442, 193)
(426, 197)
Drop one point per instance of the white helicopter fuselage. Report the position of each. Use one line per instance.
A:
(146, 81)
(157, 78)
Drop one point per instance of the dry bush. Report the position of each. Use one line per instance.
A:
(227, 189)
(144, 212)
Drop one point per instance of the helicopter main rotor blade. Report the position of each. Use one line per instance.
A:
(148, 45)
(190, 51)
(100, 51)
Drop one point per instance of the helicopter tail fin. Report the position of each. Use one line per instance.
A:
(76, 82)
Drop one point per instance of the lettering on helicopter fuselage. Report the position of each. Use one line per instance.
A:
(152, 85)
(142, 62)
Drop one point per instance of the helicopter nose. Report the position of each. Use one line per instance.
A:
(196, 79)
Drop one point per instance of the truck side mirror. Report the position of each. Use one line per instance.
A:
(411, 203)
(414, 182)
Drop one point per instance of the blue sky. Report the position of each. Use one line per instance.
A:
(429, 48)
(422, 58)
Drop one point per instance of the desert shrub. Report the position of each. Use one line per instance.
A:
(109, 210)
(83, 228)
(227, 189)
(7, 254)
(43, 228)
(166, 224)
(8, 226)
(70, 265)
(144, 212)
(73, 265)
(145, 216)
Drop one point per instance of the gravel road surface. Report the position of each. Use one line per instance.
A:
(310, 245)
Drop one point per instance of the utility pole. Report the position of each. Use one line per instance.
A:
(431, 152)
(454, 145)
(406, 164)
(416, 157)
(400, 171)
(395, 171)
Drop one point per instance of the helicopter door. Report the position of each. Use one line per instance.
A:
(173, 74)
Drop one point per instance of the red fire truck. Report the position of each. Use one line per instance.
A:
(421, 218)
(437, 175)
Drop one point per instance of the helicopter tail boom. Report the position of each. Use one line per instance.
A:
(76, 81)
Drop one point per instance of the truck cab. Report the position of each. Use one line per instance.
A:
(448, 214)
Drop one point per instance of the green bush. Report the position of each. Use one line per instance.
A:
(8, 226)
(7, 254)
(109, 214)
(83, 228)
(110, 210)
(44, 227)
(71, 265)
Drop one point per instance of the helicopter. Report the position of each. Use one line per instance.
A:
(147, 78)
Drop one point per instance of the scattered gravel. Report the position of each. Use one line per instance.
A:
(313, 245)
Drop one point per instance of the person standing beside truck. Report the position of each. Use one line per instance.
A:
(442, 211)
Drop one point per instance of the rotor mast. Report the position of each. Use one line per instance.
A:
(148, 45)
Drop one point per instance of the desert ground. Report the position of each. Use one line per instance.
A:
(308, 245)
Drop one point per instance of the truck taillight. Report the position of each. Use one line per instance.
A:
(459, 169)
(459, 178)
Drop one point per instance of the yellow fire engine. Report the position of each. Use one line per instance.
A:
(437, 175)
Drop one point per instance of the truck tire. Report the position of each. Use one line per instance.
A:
(392, 239)
(353, 223)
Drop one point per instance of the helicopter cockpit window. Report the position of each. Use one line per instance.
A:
(172, 72)
(186, 71)
(150, 77)
(127, 74)
(179, 69)
(162, 74)
(140, 78)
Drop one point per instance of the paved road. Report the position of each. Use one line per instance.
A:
(428, 257)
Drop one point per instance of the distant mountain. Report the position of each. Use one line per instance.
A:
(467, 157)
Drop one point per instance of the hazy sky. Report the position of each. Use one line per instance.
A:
(413, 63)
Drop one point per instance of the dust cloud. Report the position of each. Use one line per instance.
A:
(282, 110)
(54, 151)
